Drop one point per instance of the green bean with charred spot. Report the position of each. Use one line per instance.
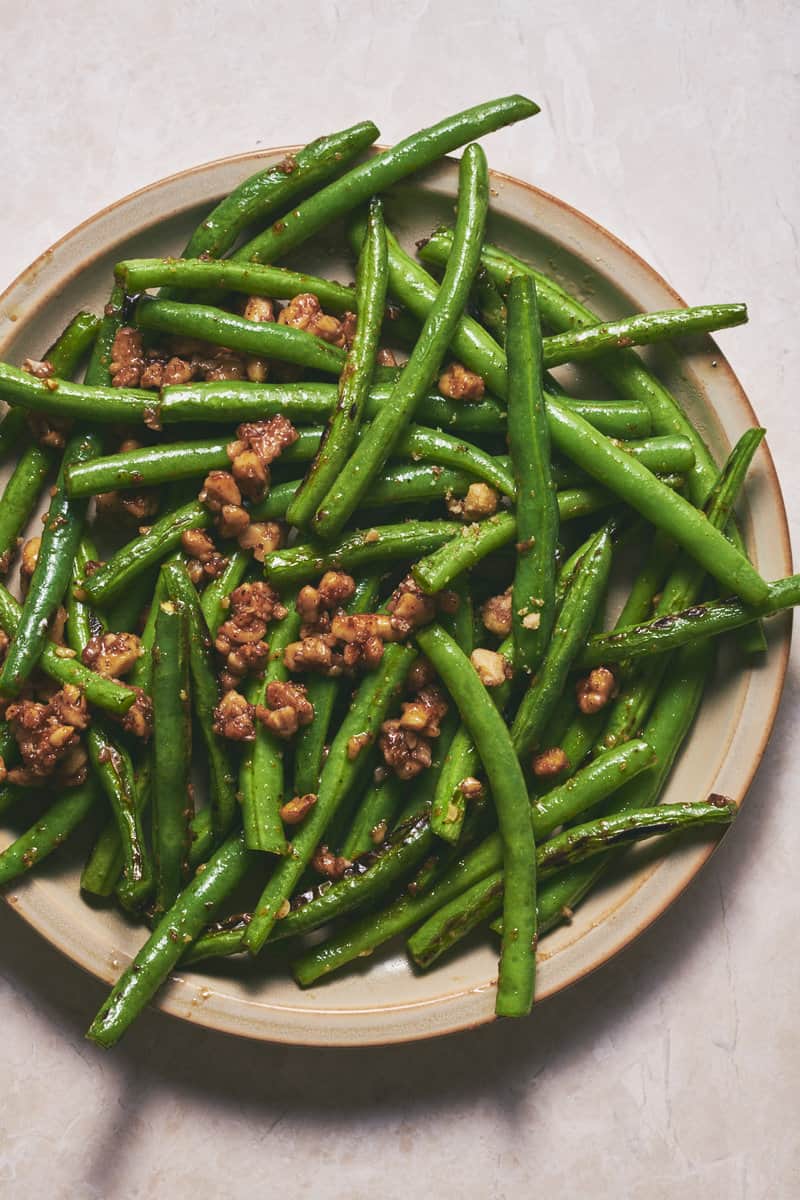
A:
(533, 593)
(575, 845)
(419, 372)
(171, 804)
(339, 775)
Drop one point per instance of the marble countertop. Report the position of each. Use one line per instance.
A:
(673, 1071)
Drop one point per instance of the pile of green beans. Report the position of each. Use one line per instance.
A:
(475, 742)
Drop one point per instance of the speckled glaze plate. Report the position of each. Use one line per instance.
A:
(384, 999)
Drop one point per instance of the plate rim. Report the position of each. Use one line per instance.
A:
(227, 1019)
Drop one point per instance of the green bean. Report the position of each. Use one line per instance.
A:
(387, 427)
(418, 292)
(379, 173)
(103, 867)
(212, 601)
(490, 306)
(489, 731)
(265, 338)
(60, 398)
(309, 742)
(339, 775)
(205, 697)
(72, 345)
(172, 750)
(665, 509)
(697, 623)
(454, 920)
(60, 536)
(680, 591)
(590, 785)
(378, 809)
(343, 426)
(625, 370)
(57, 662)
(13, 428)
(358, 550)
(533, 594)
(126, 611)
(583, 598)
(48, 832)
(262, 784)
(144, 551)
(114, 770)
(20, 496)
(261, 195)
(194, 908)
(641, 329)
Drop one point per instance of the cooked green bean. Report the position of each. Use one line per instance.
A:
(114, 770)
(172, 750)
(583, 598)
(267, 339)
(388, 425)
(205, 697)
(533, 595)
(343, 426)
(58, 663)
(633, 483)
(213, 599)
(262, 780)
(194, 908)
(309, 742)
(339, 775)
(144, 551)
(261, 195)
(61, 534)
(82, 401)
(507, 783)
(358, 550)
(103, 867)
(472, 908)
(377, 811)
(378, 173)
(49, 832)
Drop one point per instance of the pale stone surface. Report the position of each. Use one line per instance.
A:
(673, 1072)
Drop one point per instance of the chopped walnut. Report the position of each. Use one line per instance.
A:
(493, 669)
(205, 561)
(423, 714)
(458, 383)
(358, 627)
(313, 654)
(410, 607)
(420, 674)
(262, 537)
(289, 708)
(496, 614)
(112, 654)
(44, 732)
(259, 308)
(48, 430)
(234, 718)
(356, 744)
(294, 810)
(595, 691)
(385, 358)
(331, 865)
(138, 720)
(305, 312)
(549, 762)
(30, 557)
(405, 751)
(223, 366)
(219, 489)
(267, 439)
(127, 358)
(39, 369)
(480, 501)
(471, 788)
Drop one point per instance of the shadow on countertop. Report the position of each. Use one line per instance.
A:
(271, 1084)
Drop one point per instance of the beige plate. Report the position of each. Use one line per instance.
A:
(384, 1000)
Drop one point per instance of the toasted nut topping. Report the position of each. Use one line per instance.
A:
(550, 762)
(595, 691)
(325, 862)
(294, 810)
(492, 668)
(496, 614)
(458, 383)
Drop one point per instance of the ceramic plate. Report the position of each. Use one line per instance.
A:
(384, 1000)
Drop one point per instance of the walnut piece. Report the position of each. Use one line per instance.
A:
(406, 752)
(294, 810)
(331, 865)
(458, 383)
(234, 718)
(549, 762)
(595, 691)
(288, 708)
(496, 614)
(493, 669)
(305, 312)
(112, 654)
(45, 732)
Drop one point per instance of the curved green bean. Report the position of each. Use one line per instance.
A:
(49, 832)
(172, 750)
